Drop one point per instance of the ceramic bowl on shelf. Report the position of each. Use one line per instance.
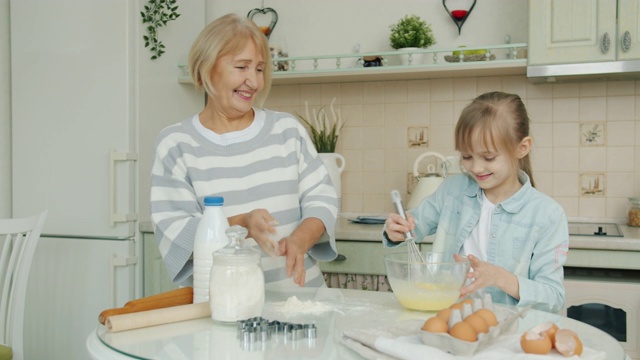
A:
(429, 286)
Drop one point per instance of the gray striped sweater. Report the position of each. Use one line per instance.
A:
(277, 170)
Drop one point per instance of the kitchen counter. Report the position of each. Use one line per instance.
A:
(346, 230)
(361, 248)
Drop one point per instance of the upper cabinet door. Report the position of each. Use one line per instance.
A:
(569, 31)
(628, 30)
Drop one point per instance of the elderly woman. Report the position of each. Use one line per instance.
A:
(262, 162)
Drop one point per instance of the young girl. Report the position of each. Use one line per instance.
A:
(516, 238)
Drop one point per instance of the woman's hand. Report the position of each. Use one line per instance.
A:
(485, 274)
(260, 225)
(296, 245)
(396, 226)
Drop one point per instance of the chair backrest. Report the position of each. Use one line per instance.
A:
(18, 241)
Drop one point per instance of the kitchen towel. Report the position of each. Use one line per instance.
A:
(154, 317)
(402, 341)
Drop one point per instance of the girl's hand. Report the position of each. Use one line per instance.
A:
(485, 274)
(396, 226)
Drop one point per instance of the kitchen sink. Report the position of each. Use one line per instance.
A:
(594, 229)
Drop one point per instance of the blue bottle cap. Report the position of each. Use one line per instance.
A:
(213, 201)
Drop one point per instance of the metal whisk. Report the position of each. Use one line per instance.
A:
(414, 254)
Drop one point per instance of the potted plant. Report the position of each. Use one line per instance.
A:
(410, 33)
(324, 133)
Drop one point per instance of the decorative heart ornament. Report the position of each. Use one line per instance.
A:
(266, 29)
(462, 10)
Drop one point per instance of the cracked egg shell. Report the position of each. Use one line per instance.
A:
(568, 343)
(533, 342)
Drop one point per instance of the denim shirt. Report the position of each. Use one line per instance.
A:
(529, 236)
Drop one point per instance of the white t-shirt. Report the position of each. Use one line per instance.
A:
(478, 241)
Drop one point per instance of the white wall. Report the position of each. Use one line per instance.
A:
(312, 27)
(164, 101)
(5, 112)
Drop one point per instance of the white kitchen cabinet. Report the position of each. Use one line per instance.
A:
(583, 31)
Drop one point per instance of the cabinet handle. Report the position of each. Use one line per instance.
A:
(626, 41)
(340, 257)
(606, 43)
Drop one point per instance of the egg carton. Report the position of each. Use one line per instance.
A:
(508, 319)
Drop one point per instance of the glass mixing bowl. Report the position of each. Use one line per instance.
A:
(429, 286)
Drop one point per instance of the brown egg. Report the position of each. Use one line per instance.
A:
(467, 301)
(444, 314)
(435, 325)
(463, 331)
(478, 323)
(568, 343)
(488, 316)
(535, 343)
(458, 306)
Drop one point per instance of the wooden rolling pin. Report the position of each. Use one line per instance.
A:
(181, 296)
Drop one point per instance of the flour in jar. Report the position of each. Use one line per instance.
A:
(293, 305)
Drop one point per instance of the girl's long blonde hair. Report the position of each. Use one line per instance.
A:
(501, 121)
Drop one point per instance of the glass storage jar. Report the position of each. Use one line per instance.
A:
(236, 285)
(634, 211)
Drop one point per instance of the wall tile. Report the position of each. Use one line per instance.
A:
(395, 92)
(566, 160)
(395, 115)
(373, 92)
(373, 115)
(593, 159)
(564, 90)
(593, 108)
(515, 85)
(418, 91)
(352, 93)
(621, 133)
(542, 135)
(565, 184)
(351, 138)
(566, 135)
(418, 114)
(566, 110)
(441, 112)
(620, 108)
(539, 91)
(620, 159)
(540, 110)
(590, 89)
(489, 84)
(542, 159)
(623, 87)
(378, 115)
(441, 90)
(373, 138)
(593, 207)
(353, 159)
(464, 89)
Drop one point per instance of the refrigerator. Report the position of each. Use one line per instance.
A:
(74, 153)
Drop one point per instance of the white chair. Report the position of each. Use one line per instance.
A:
(18, 240)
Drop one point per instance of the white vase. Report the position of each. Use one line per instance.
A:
(411, 59)
(335, 164)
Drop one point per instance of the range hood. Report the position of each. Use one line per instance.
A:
(610, 70)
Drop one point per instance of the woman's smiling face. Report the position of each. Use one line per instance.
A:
(236, 80)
